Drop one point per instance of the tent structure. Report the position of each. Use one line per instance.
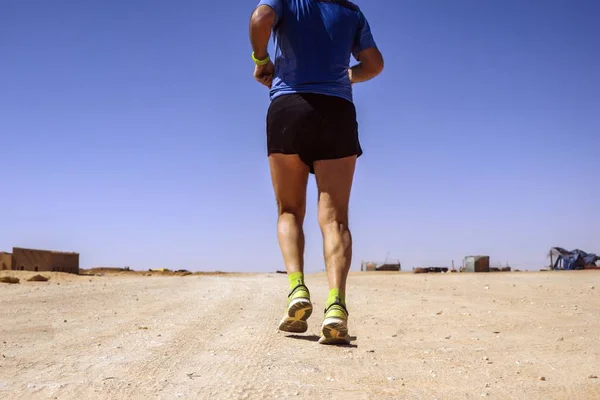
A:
(561, 259)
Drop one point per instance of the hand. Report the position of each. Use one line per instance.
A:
(264, 73)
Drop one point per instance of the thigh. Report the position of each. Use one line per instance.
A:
(290, 176)
(334, 182)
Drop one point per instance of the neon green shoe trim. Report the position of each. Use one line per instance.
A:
(336, 310)
(299, 292)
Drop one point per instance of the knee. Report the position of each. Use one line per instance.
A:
(331, 217)
(293, 210)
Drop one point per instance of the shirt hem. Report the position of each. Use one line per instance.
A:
(278, 92)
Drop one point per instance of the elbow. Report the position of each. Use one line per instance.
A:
(374, 67)
(378, 65)
(372, 62)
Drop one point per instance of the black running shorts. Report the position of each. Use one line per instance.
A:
(314, 126)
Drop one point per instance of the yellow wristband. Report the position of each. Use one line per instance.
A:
(261, 62)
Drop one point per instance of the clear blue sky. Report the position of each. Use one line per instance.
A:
(133, 133)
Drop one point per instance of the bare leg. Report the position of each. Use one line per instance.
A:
(290, 176)
(334, 182)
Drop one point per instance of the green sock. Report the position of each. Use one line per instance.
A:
(334, 295)
(296, 278)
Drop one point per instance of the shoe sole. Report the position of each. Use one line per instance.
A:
(334, 331)
(298, 312)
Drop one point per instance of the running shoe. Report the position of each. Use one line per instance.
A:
(335, 324)
(298, 311)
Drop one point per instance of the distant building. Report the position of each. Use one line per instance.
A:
(5, 261)
(40, 260)
(477, 264)
(386, 266)
(368, 266)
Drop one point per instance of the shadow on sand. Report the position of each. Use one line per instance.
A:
(315, 338)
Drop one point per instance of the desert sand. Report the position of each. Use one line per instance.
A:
(533, 335)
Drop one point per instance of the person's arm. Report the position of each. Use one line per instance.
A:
(262, 21)
(365, 51)
(370, 65)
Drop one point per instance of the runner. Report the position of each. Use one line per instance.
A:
(312, 128)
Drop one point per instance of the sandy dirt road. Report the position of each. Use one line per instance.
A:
(452, 336)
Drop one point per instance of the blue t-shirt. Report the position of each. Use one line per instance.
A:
(313, 43)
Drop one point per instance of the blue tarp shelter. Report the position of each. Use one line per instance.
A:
(562, 259)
